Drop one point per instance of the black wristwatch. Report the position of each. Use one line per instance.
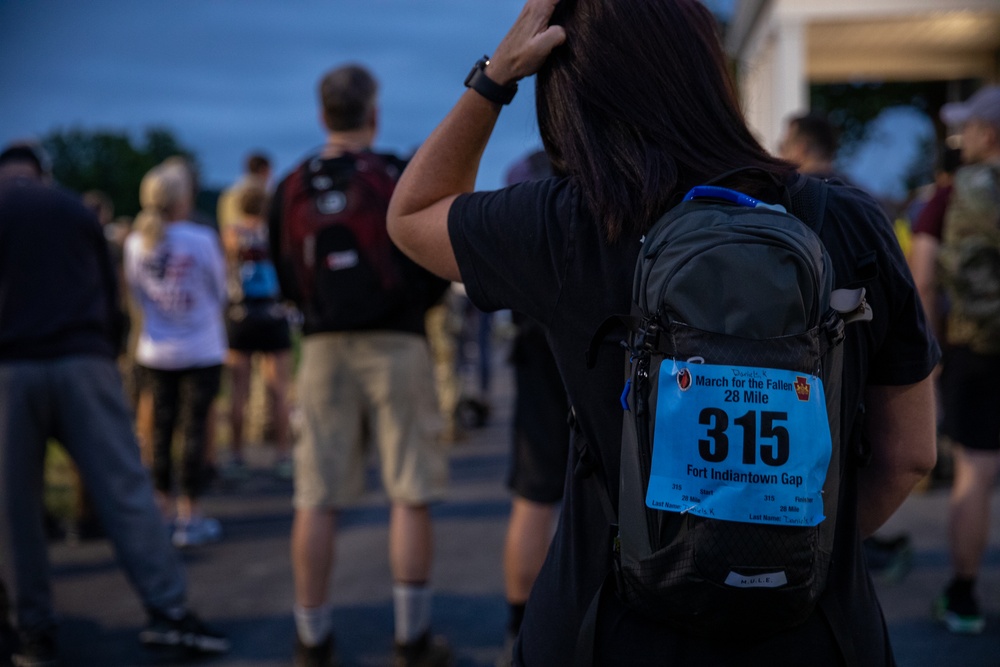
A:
(487, 87)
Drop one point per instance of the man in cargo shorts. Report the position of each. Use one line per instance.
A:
(365, 380)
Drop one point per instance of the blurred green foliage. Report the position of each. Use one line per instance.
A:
(110, 161)
(851, 106)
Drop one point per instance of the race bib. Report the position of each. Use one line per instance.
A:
(740, 443)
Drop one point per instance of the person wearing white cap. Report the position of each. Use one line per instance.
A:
(969, 268)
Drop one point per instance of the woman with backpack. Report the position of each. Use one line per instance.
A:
(635, 108)
(256, 324)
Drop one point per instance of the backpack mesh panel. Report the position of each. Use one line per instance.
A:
(690, 574)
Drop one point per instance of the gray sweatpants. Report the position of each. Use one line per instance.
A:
(77, 400)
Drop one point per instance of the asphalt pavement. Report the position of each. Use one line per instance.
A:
(243, 585)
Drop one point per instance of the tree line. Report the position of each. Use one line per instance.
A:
(112, 162)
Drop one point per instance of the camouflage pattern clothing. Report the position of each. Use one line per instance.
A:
(970, 259)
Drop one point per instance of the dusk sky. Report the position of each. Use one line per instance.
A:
(227, 76)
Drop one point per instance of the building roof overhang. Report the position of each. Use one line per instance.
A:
(879, 40)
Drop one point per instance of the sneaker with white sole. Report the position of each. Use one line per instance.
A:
(958, 610)
(187, 632)
(196, 532)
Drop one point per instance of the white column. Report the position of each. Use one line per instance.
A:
(790, 88)
(757, 90)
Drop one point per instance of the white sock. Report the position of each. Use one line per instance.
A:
(313, 624)
(412, 604)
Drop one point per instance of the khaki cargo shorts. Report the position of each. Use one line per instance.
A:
(357, 389)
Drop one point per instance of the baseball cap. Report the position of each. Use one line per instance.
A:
(984, 105)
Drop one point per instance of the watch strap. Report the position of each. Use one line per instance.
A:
(487, 87)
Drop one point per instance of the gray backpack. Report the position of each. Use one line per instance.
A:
(730, 453)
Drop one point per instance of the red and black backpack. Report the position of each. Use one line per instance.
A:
(334, 238)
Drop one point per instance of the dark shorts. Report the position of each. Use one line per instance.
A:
(257, 327)
(541, 430)
(970, 394)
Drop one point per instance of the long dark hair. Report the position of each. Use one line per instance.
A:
(638, 106)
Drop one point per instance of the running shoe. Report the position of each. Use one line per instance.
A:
(36, 651)
(889, 559)
(959, 611)
(196, 531)
(187, 632)
(321, 655)
(427, 651)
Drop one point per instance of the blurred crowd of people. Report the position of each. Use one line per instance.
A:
(189, 308)
(948, 232)
(119, 336)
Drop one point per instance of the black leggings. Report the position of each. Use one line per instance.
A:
(185, 396)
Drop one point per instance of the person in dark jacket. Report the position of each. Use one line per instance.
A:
(59, 332)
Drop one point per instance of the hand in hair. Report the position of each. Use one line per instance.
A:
(446, 163)
(527, 44)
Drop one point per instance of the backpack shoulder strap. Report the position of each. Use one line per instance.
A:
(809, 204)
(603, 334)
(588, 467)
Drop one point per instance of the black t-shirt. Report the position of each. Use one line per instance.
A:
(534, 248)
(58, 289)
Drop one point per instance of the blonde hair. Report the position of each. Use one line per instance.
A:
(164, 189)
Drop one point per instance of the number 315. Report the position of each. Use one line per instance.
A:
(717, 449)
